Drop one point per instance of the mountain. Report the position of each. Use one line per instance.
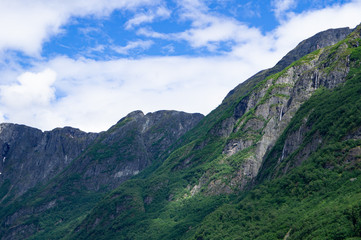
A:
(67, 159)
(30, 156)
(278, 159)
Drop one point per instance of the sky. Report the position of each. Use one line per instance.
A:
(88, 63)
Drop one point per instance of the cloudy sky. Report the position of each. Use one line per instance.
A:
(87, 63)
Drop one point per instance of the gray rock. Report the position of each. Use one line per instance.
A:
(263, 114)
(130, 146)
(30, 156)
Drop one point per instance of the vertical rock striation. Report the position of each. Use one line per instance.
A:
(30, 156)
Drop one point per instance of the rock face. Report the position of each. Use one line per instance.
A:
(30, 156)
(131, 145)
(88, 161)
(261, 115)
(320, 40)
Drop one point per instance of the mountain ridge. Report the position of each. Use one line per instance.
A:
(31, 157)
(191, 192)
(247, 170)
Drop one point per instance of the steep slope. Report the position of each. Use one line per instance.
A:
(113, 157)
(309, 184)
(320, 40)
(194, 192)
(30, 156)
(128, 147)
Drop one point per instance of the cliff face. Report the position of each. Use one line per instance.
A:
(267, 110)
(30, 156)
(78, 167)
(320, 40)
(260, 109)
(131, 145)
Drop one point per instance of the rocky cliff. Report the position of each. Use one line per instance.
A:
(268, 109)
(130, 146)
(320, 40)
(71, 162)
(30, 156)
(259, 110)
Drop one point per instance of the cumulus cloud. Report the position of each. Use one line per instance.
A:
(96, 94)
(207, 30)
(29, 98)
(31, 89)
(25, 25)
(282, 6)
(148, 17)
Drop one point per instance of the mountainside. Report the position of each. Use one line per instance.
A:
(30, 156)
(278, 159)
(83, 165)
(128, 147)
(200, 191)
(320, 40)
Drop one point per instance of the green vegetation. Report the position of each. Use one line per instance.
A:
(315, 199)
(190, 195)
(54, 215)
(4, 189)
(318, 199)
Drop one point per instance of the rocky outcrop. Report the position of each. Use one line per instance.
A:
(90, 163)
(131, 145)
(30, 156)
(320, 40)
(262, 115)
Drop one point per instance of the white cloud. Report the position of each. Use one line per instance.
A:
(168, 49)
(139, 44)
(148, 17)
(207, 30)
(25, 25)
(106, 91)
(218, 30)
(282, 6)
(148, 32)
(306, 24)
(29, 98)
(96, 94)
(139, 19)
(31, 89)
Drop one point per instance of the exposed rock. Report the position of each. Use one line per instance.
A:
(129, 146)
(103, 161)
(320, 40)
(353, 158)
(354, 135)
(30, 156)
(20, 232)
(260, 118)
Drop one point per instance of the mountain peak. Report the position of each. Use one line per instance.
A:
(279, 158)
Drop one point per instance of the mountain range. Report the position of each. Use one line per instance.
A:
(279, 158)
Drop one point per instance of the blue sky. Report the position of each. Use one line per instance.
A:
(88, 63)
